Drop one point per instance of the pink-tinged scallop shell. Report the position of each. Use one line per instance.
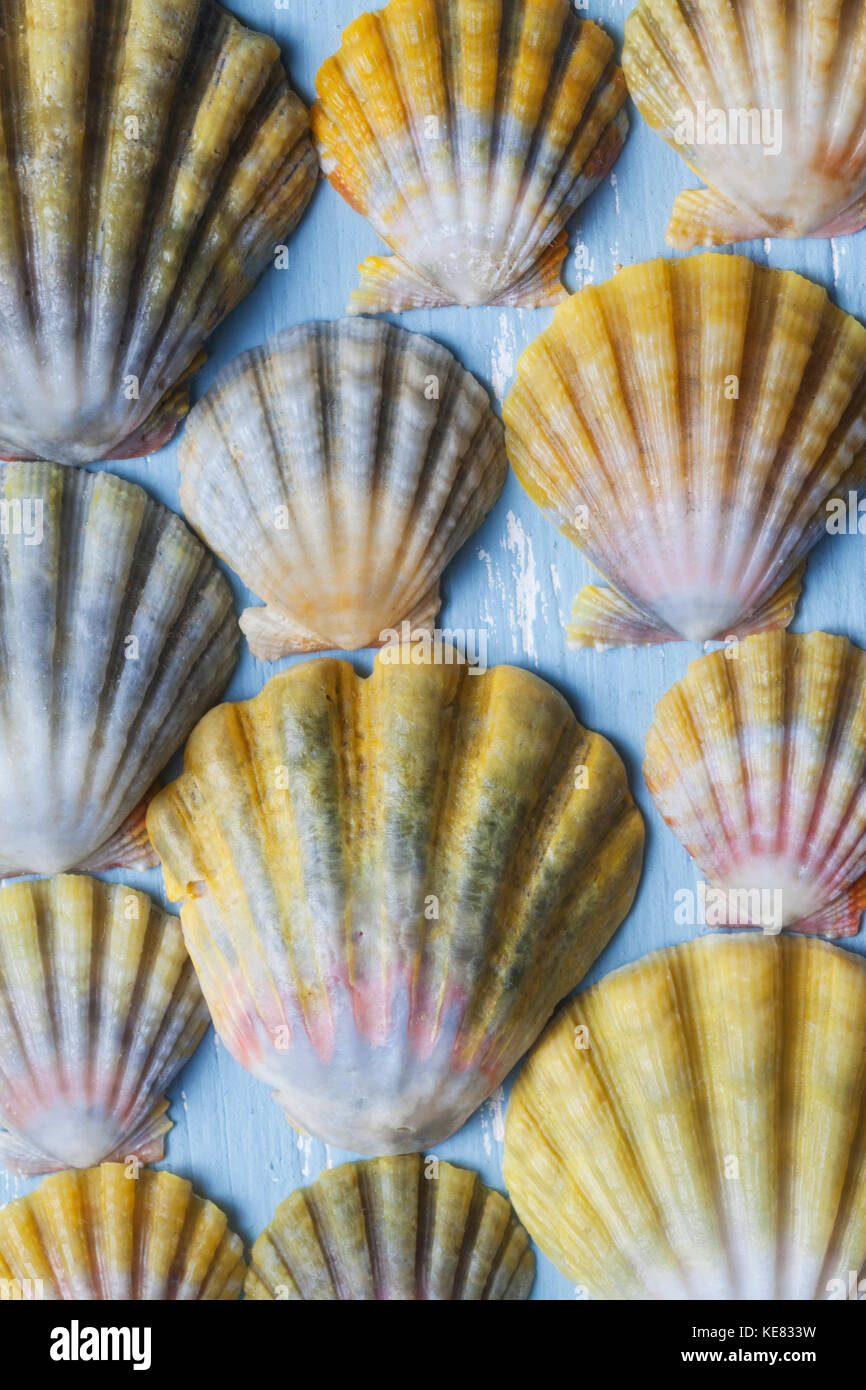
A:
(757, 761)
(99, 1009)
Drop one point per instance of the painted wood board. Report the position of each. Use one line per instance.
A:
(515, 579)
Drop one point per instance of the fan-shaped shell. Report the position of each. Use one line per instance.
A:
(400, 1228)
(389, 883)
(106, 1234)
(116, 634)
(99, 1009)
(766, 102)
(757, 761)
(685, 423)
(152, 157)
(694, 1126)
(337, 470)
(468, 132)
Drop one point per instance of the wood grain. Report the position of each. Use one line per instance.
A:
(517, 577)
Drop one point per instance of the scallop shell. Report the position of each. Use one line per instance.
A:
(766, 103)
(116, 634)
(694, 1126)
(99, 1009)
(152, 157)
(337, 470)
(468, 132)
(393, 1228)
(686, 424)
(758, 764)
(389, 883)
(108, 1234)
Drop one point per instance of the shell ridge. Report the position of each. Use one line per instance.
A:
(101, 143)
(539, 825)
(841, 739)
(207, 65)
(541, 1115)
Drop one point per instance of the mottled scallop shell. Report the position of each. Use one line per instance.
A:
(766, 102)
(152, 158)
(106, 1234)
(468, 132)
(99, 1009)
(694, 1126)
(757, 761)
(338, 469)
(400, 1228)
(685, 424)
(116, 634)
(389, 883)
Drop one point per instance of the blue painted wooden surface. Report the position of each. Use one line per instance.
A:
(517, 577)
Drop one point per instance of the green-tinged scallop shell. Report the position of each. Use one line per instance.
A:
(116, 633)
(388, 884)
(393, 1228)
(99, 1009)
(114, 1233)
(694, 1125)
(152, 159)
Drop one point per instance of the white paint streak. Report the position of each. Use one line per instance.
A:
(615, 186)
(526, 586)
(305, 1148)
(836, 253)
(555, 579)
(493, 1120)
(485, 613)
(502, 357)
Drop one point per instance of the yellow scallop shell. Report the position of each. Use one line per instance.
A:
(105, 1234)
(468, 132)
(694, 1126)
(686, 424)
(400, 1228)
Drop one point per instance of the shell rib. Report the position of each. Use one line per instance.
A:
(105, 1234)
(758, 764)
(99, 1009)
(152, 155)
(766, 102)
(402, 1228)
(338, 469)
(694, 1126)
(468, 132)
(116, 634)
(389, 883)
(686, 424)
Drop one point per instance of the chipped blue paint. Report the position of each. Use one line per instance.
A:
(517, 577)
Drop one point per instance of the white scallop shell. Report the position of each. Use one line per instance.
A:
(338, 469)
(116, 634)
